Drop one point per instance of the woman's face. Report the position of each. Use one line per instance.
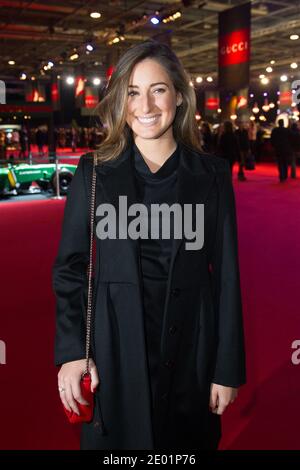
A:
(152, 101)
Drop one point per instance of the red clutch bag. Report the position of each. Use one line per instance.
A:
(86, 411)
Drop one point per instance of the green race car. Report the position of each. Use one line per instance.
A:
(15, 178)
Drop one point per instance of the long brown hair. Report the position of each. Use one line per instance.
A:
(113, 107)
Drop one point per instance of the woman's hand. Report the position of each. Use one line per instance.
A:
(69, 378)
(221, 397)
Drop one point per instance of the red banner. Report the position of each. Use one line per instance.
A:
(234, 47)
(55, 95)
(79, 91)
(285, 97)
(212, 102)
(35, 92)
(91, 97)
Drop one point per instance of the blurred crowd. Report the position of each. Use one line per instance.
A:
(244, 143)
(22, 141)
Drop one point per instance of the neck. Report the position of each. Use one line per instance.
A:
(155, 151)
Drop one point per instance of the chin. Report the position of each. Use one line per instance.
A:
(149, 134)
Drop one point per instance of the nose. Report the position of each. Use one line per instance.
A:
(145, 103)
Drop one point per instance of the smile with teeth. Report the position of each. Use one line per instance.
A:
(147, 120)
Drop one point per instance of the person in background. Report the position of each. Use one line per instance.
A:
(207, 139)
(40, 141)
(228, 147)
(295, 136)
(281, 139)
(244, 148)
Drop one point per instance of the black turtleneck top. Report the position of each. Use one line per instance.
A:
(155, 187)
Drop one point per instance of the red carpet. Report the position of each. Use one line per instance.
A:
(266, 413)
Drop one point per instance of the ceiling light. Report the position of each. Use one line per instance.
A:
(96, 81)
(70, 80)
(89, 47)
(264, 81)
(11, 62)
(283, 78)
(272, 62)
(294, 65)
(269, 69)
(95, 15)
(74, 56)
(209, 79)
(199, 79)
(294, 37)
(154, 20)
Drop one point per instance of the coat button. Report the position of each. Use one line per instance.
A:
(169, 363)
(176, 292)
(172, 329)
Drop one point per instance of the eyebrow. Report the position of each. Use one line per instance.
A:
(152, 84)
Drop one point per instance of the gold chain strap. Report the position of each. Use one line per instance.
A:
(90, 269)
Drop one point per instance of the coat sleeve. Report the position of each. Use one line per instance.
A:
(230, 356)
(70, 271)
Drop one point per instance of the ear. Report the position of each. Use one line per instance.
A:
(179, 99)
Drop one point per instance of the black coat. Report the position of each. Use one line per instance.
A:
(202, 334)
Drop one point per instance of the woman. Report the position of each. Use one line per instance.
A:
(167, 350)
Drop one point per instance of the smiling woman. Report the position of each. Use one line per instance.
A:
(167, 349)
(148, 89)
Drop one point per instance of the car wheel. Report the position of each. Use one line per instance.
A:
(65, 178)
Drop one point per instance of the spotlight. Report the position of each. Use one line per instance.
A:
(70, 80)
(95, 15)
(96, 81)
